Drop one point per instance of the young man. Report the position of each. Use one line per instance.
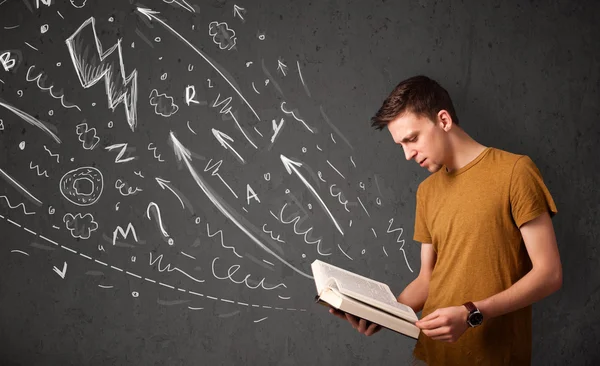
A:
(488, 247)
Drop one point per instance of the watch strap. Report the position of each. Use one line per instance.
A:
(470, 306)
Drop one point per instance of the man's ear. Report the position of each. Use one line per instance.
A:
(444, 120)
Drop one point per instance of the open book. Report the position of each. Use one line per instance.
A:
(364, 298)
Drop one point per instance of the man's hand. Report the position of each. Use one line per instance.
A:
(363, 326)
(445, 324)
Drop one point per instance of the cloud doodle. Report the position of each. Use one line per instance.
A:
(80, 226)
(222, 35)
(163, 104)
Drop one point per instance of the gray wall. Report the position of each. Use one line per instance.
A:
(524, 78)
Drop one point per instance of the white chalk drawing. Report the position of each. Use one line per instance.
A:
(296, 118)
(181, 3)
(260, 320)
(158, 218)
(37, 170)
(292, 166)
(215, 173)
(399, 241)
(257, 131)
(124, 188)
(209, 83)
(19, 251)
(222, 137)
(124, 149)
(124, 234)
(151, 15)
(270, 232)
(220, 233)
(239, 12)
(334, 168)
(339, 196)
(222, 35)
(7, 61)
(332, 139)
(346, 254)
(276, 128)
(177, 290)
(352, 161)
(168, 268)
(163, 104)
(14, 207)
(302, 80)
(164, 184)
(233, 269)
(44, 28)
(30, 46)
(69, 185)
(374, 233)
(12, 181)
(52, 155)
(363, 206)
(62, 272)
(44, 2)
(250, 194)
(1, 125)
(296, 219)
(80, 227)
(22, 145)
(183, 154)
(59, 14)
(281, 67)
(92, 64)
(78, 3)
(254, 87)
(189, 128)
(32, 120)
(226, 109)
(155, 154)
(87, 136)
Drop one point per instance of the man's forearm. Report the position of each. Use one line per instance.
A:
(532, 287)
(415, 294)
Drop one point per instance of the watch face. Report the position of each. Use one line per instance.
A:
(476, 318)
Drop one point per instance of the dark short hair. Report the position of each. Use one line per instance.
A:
(418, 94)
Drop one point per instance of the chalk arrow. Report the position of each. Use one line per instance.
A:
(221, 137)
(183, 154)
(238, 11)
(292, 166)
(63, 272)
(164, 184)
(152, 15)
(281, 67)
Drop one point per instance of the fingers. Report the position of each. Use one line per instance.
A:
(372, 329)
(363, 326)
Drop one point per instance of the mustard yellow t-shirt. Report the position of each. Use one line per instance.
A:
(472, 217)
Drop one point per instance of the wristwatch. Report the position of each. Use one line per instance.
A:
(475, 318)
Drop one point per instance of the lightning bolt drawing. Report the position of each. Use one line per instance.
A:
(92, 63)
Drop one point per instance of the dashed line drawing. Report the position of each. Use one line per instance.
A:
(222, 35)
(296, 118)
(69, 182)
(154, 153)
(92, 64)
(38, 80)
(150, 14)
(183, 154)
(52, 155)
(37, 169)
(87, 136)
(32, 120)
(20, 204)
(149, 279)
(80, 227)
(124, 149)
(20, 188)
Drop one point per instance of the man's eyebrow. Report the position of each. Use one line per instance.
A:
(409, 136)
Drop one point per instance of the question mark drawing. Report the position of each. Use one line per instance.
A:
(159, 219)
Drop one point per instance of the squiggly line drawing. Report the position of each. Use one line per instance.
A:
(296, 118)
(153, 149)
(295, 220)
(38, 79)
(220, 232)
(339, 197)
(37, 168)
(231, 272)
(270, 232)
(399, 241)
(53, 155)
(168, 267)
(119, 185)
(20, 204)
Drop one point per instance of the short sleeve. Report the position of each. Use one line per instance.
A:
(529, 196)
(421, 233)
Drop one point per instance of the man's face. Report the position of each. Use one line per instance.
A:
(422, 139)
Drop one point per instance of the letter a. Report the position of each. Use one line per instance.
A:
(249, 196)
